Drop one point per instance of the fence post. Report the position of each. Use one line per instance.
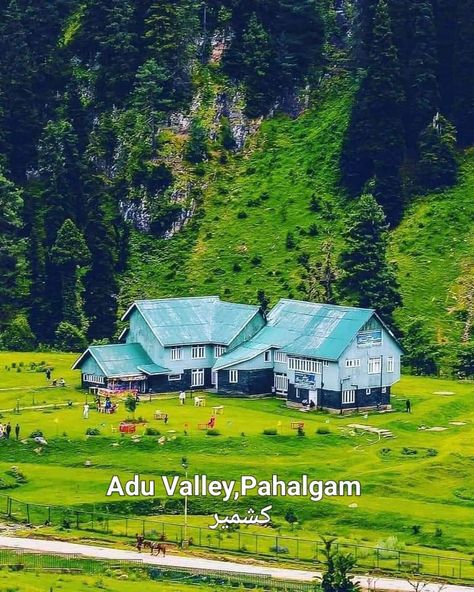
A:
(143, 527)
(200, 536)
(126, 527)
(28, 513)
(297, 548)
(77, 520)
(92, 514)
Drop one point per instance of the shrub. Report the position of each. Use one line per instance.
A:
(438, 532)
(256, 260)
(300, 432)
(323, 431)
(290, 241)
(270, 432)
(241, 215)
(313, 230)
(279, 550)
(237, 267)
(416, 529)
(213, 432)
(92, 432)
(152, 432)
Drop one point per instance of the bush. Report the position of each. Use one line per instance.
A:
(18, 335)
(300, 432)
(290, 241)
(70, 338)
(270, 432)
(279, 550)
(256, 260)
(237, 267)
(92, 432)
(323, 431)
(241, 215)
(152, 432)
(213, 432)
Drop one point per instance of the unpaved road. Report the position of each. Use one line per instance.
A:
(179, 561)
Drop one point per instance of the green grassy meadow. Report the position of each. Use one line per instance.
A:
(416, 487)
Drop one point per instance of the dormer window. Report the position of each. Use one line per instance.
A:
(176, 353)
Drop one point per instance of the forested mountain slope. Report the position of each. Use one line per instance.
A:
(316, 149)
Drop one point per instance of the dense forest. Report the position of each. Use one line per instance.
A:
(123, 124)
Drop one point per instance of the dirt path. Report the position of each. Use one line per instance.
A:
(177, 561)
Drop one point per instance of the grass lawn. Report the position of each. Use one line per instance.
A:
(44, 582)
(417, 487)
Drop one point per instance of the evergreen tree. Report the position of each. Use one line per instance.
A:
(256, 56)
(437, 166)
(18, 335)
(364, 23)
(100, 281)
(322, 277)
(152, 92)
(11, 249)
(463, 106)
(422, 84)
(196, 149)
(420, 351)
(367, 279)
(60, 175)
(374, 142)
(68, 254)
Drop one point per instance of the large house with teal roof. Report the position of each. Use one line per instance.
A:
(318, 355)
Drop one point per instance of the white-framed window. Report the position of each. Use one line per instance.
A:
(354, 363)
(326, 363)
(280, 357)
(384, 389)
(233, 376)
(198, 352)
(390, 364)
(368, 391)
(374, 366)
(197, 377)
(305, 365)
(213, 377)
(348, 396)
(174, 377)
(267, 356)
(176, 353)
(93, 378)
(281, 383)
(219, 350)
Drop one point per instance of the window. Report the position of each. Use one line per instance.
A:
(384, 390)
(368, 391)
(355, 363)
(93, 378)
(326, 363)
(197, 377)
(304, 365)
(233, 376)
(176, 353)
(219, 350)
(348, 396)
(281, 383)
(198, 352)
(374, 366)
(213, 377)
(390, 364)
(280, 357)
(174, 377)
(267, 356)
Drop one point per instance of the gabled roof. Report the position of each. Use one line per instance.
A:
(125, 359)
(178, 321)
(306, 329)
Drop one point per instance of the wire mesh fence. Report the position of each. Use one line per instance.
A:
(375, 559)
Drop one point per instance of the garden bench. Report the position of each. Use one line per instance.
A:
(219, 409)
(202, 426)
(159, 415)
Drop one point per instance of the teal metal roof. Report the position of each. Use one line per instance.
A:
(153, 369)
(307, 329)
(178, 321)
(125, 359)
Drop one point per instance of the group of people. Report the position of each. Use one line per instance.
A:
(55, 381)
(6, 430)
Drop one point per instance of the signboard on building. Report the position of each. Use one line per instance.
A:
(369, 338)
(305, 380)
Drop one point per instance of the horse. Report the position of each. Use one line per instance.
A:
(157, 546)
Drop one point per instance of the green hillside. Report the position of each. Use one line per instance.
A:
(236, 245)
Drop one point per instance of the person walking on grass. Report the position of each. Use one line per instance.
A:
(85, 412)
(8, 430)
(17, 431)
(408, 406)
(182, 397)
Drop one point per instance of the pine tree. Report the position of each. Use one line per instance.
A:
(463, 106)
(322, 277)
(437, 166)
(68, 254)
(422, 85)
(256, 57)
(100, 281)
(364, 23)
(11, 249)
(367, 278)
(196, 149)
(60, 175)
